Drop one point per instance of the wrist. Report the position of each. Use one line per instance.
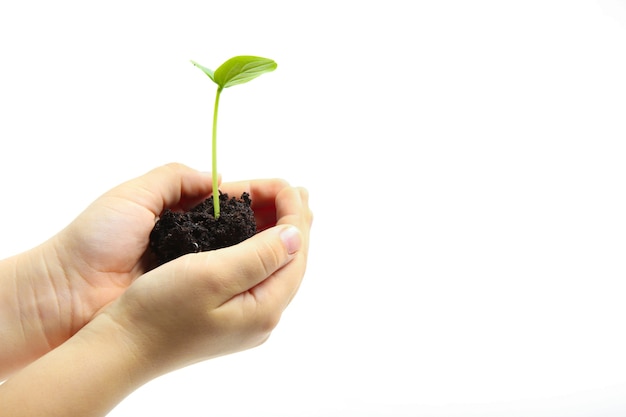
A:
(88, 375)
(34, 316)
(120, 350)
(142, 338)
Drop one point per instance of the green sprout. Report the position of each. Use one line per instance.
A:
(236, 70)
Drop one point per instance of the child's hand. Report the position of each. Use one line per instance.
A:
(61, 285)
(208, 304)
(104, 249)
(53, 290)
(193, 308)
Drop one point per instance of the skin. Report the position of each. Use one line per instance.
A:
(85, 299)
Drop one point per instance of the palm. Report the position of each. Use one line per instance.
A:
(104, 248)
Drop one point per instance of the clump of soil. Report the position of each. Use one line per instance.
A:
(197, 230)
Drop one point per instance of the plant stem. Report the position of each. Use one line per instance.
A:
(216, 192)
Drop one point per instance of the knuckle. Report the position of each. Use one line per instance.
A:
(175, 166)
(268, 322)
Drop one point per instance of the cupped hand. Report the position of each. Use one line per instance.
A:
(213, 303)
(104, 249)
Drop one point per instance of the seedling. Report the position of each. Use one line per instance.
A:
(236, 70)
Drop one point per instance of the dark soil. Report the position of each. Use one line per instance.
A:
(179, 233)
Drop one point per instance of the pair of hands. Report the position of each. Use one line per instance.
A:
(93, 275)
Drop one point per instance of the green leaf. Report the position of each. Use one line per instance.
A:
(207, 71)
(241, 69)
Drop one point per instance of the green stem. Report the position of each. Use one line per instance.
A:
(216, 192)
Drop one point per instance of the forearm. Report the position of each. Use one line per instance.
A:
(31, 312)
(86, 376)
(8, 316)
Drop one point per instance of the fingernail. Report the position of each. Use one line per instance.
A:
(291, 239)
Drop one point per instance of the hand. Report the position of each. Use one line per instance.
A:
(60, 286)
(213, 303)
(195, 307)
(53, 290)
(103, 250)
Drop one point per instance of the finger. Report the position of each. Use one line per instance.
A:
(228, 272)
(262, 191)
(292, 208)
(275, 293)
(263, 195)
(174, 186)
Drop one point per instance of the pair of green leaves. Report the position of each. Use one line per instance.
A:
(238, 70)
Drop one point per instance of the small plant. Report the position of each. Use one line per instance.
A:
(236, 70)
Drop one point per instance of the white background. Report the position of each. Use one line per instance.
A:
(466, 166)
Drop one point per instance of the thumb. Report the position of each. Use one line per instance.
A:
(236, 269)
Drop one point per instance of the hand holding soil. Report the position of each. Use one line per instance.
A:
(87, 300)
(151, 277)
